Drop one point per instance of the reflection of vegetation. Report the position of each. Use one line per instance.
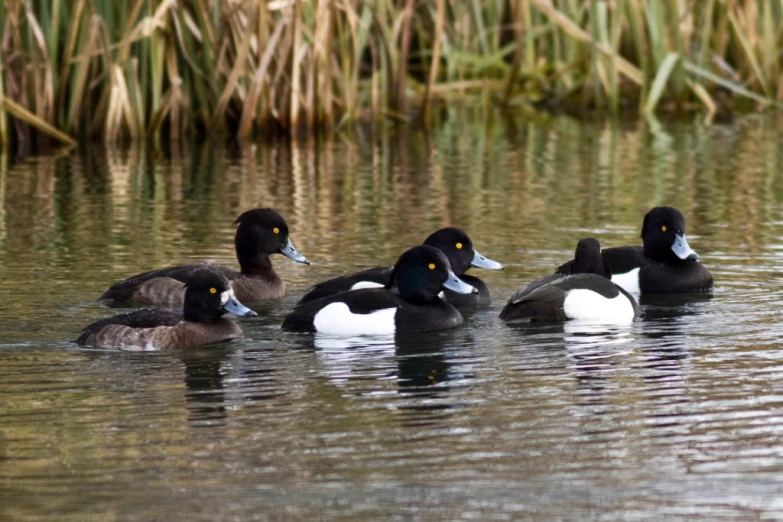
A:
(147, 67)
(516, 187)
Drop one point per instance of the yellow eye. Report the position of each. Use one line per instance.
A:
(213, 290)
(276, 230)
(459, 246)
(432, 266)
(663, 228)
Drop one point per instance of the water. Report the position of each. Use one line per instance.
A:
(678, 416)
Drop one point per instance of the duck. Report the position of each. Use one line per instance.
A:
(408, 303)
(208, 296)
(665, 264)
(453, 242)
(260, 233)
(583, 291)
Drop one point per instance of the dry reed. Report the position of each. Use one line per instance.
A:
(169, 69)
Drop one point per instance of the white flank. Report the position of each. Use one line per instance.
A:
(628, 281)
(586, 304)
(337, 319)
(149, 346)
(366, 284)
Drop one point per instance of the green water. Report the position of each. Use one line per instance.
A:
(678, 416)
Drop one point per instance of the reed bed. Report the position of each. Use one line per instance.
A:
(175, 69)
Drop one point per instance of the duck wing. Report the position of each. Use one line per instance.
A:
(378, 276)
(543, 298)
(162, 286)
(624, 259)
(144, 318)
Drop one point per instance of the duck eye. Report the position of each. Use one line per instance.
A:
(459, 246)
(663, 228)
(432, 266)
(213, 290)
(276, 230)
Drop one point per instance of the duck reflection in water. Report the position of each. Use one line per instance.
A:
(669, 306)
(657, 358)
(204, 388)
(596, 352)
(592, 351)
(426, 376)
(201, 370)
(417, 363)
(219, 380)
(666, 347)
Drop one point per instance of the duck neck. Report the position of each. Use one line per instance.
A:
(198, 313)
(663, 255)
(259, 267)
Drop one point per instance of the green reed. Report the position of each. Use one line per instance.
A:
(169, 69)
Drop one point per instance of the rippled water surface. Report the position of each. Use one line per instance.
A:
(678, 416)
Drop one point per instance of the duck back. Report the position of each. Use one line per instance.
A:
(378, 276)
(166, 286)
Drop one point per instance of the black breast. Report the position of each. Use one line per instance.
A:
(677, 277)
(429, 317)
(461, 300)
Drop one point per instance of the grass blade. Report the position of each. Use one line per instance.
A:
(659, 83)
(28, 117)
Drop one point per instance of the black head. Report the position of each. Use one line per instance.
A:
(262, 232)
(421, 272)
(663, 234)
(458, 247)
(588, 259)
(208, 296)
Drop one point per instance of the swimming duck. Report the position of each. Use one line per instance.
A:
(583, 292)
(453, 242)
(261, 232)
(208, 296)
(409, 303)
(665, 264)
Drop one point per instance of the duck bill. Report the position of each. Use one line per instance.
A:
(237, 308)
(682, 249)
(480, 261)
(289, 251)
(458, 285)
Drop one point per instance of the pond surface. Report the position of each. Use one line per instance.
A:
(677, 416)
